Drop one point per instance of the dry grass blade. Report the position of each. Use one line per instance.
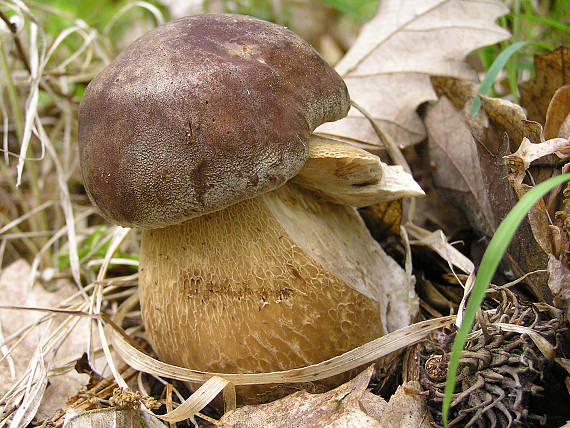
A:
(28, 399)
(141, 4)
(5, 125)
(541, 343)
(437, 241)
(96, 301)
(53, 239)
(198, 400)
(214, 383)
(6, 354)
(114, 260)
(357, 357)
(119, 235)
(24, 217)
(32, 102)
(54, 335)
(71, 308)
(35, 387)
(65, 204)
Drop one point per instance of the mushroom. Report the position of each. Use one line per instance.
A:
(193, 134)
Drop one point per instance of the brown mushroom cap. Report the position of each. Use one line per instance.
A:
(199, 114)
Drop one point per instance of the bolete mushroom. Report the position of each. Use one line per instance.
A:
(193, 134)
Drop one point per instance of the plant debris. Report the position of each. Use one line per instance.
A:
(58, 255)
(504, 378)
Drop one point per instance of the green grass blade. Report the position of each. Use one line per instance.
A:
(542, 45)
(492, 74)
(542, 20)
(491, 259)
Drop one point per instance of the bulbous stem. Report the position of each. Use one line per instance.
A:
(272, 283)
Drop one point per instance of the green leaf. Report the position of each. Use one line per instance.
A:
(492, 74)
(491, 259)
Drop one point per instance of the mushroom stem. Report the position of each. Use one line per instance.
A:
(272, 283)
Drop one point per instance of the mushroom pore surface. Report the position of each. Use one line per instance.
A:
(201, 113)
(235, 291)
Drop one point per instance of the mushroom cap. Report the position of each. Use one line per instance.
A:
(199, 114)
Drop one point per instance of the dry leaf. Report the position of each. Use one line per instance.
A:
(559, 275)
(431, 294)
(505, 116)
(559, 283)
(387, 69)
(437, 241)
(407, 408)
(457, 171)
(470, 181)
(340, 407)
(14, 291)
(558, 114)
(551, 73)
(497, 118)
(508, 117)
(544, 233)
(383, 219)
(564, 130)
(529, 152)
(111, 418)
